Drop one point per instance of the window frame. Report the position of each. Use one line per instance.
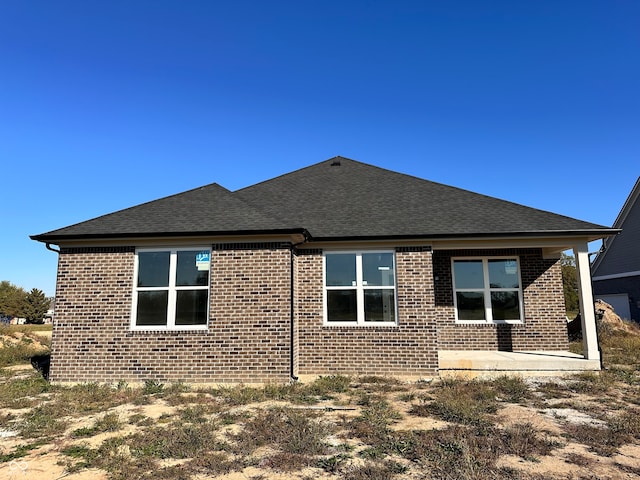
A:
(171, 289)
(360, 289)
(487, 291)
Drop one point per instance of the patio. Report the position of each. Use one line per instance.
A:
(484, 363)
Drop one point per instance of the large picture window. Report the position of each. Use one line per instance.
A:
(171, 289)
(359, 288)
(487, 290)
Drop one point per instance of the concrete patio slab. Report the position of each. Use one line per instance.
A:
(485, 363)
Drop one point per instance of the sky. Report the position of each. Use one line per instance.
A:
(109, 104)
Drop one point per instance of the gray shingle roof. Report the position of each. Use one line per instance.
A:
(211, 209)
(335, 199)
(354, 199)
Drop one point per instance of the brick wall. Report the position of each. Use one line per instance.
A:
(249, 333)
(248, 338)
(545, 326)
(407, 349)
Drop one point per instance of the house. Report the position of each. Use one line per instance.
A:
(616, 269)
(337, 268)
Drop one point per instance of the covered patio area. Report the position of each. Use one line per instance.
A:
(487, 364)
(492, 363)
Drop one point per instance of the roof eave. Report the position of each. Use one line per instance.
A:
(590, 234)
(55, 239)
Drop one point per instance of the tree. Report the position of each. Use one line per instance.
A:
(12, 299)
(569, 283)
(36, 306)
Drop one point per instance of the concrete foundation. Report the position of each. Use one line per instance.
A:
(487, 364)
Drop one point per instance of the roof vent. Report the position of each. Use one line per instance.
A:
(335, 163)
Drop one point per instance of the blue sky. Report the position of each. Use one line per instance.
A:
(104, 105)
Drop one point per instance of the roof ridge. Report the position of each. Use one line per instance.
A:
(298, 170)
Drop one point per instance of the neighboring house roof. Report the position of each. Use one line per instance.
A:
(335, 199)
(620, 255)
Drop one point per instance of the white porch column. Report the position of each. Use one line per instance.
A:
(585, 294)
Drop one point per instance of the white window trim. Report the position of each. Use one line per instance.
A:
(172, 289)
(487, 291)
(359, 288)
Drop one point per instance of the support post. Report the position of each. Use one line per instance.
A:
(585, 295)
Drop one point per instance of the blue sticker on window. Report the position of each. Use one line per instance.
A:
(202, 260)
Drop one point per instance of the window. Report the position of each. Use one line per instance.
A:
(359, 288)
(487, 290)
(171, 289)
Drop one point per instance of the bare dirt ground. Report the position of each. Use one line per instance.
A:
(370, 424)
(583, 427)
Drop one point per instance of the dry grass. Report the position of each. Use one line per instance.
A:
(18, 343)
(465, 402)
(337, 427)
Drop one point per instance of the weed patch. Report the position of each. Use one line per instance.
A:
(290, 431)
(511, 388)
(287, 461)
(152, 387)
(41, 422)
(175, 441)
(592, 382)
(620, 347)
(372, 426)
(378, 471)
(606, 439)
(374, 383)
(213, 463)
(333, 463)
(19, 452)
(455, 452)
(20, 392)
(523, 440)
(109, 422)
(465, 402)
(90, 398)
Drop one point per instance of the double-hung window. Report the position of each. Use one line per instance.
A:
(487, 290)
(171, 289)
(359, 288)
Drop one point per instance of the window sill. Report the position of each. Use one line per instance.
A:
(360, 325)
(160, 329)
(492, 322)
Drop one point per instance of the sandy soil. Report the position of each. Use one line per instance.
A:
(550, 412)
(571, 460)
